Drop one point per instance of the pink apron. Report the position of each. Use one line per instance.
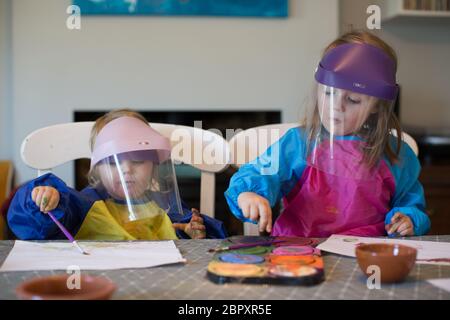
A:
(346, 198)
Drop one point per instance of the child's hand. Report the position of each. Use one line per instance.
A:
(401, 224)
(255, 207)
(195, 229)
(46, 198)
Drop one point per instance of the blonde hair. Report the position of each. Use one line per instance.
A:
(377, 142)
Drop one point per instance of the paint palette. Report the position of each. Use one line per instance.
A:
(294, 261)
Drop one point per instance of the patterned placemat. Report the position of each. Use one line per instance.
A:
(344, 280)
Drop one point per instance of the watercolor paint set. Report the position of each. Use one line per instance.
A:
(267, 260)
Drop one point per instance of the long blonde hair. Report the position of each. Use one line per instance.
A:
(377, 142)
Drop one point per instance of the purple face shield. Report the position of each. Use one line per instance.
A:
(360, 68)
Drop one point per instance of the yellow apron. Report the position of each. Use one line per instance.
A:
(107, 220)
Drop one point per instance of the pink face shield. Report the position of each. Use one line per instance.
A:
(132, 167)
(128, 134)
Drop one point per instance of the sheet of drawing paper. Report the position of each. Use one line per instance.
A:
(443, 284)
(428, 252)
(26, 256)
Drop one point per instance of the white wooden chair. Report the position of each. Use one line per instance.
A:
(55, 145)
(409, 140)
(246, 145)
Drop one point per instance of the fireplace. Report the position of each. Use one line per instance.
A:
(188, 177)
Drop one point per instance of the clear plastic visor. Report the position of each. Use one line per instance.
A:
(342, 127)
(143, 182)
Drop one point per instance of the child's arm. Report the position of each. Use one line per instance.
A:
(407, 216)
(256, 208)
(258, 185)
(26, 219)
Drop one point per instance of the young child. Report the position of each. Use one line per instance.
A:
(341, 172)
(132, 195)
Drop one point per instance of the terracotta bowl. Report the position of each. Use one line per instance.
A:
(55, 288)
(395, 261)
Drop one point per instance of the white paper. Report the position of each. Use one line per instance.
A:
(443, 284)
(426, 250)
(26, 256)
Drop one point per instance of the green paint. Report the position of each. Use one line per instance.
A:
(255, 250)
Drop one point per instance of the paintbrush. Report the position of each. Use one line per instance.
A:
(245, 245)
(67, 233)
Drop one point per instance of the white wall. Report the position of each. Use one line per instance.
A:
(423, 50)
(5, 80)
(160, 63)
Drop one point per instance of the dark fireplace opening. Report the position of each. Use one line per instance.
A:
(188, 177)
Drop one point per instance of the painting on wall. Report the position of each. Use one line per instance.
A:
(226, 8)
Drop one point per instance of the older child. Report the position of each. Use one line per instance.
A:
(341, 171)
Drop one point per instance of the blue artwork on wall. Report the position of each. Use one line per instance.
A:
(236, 8)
